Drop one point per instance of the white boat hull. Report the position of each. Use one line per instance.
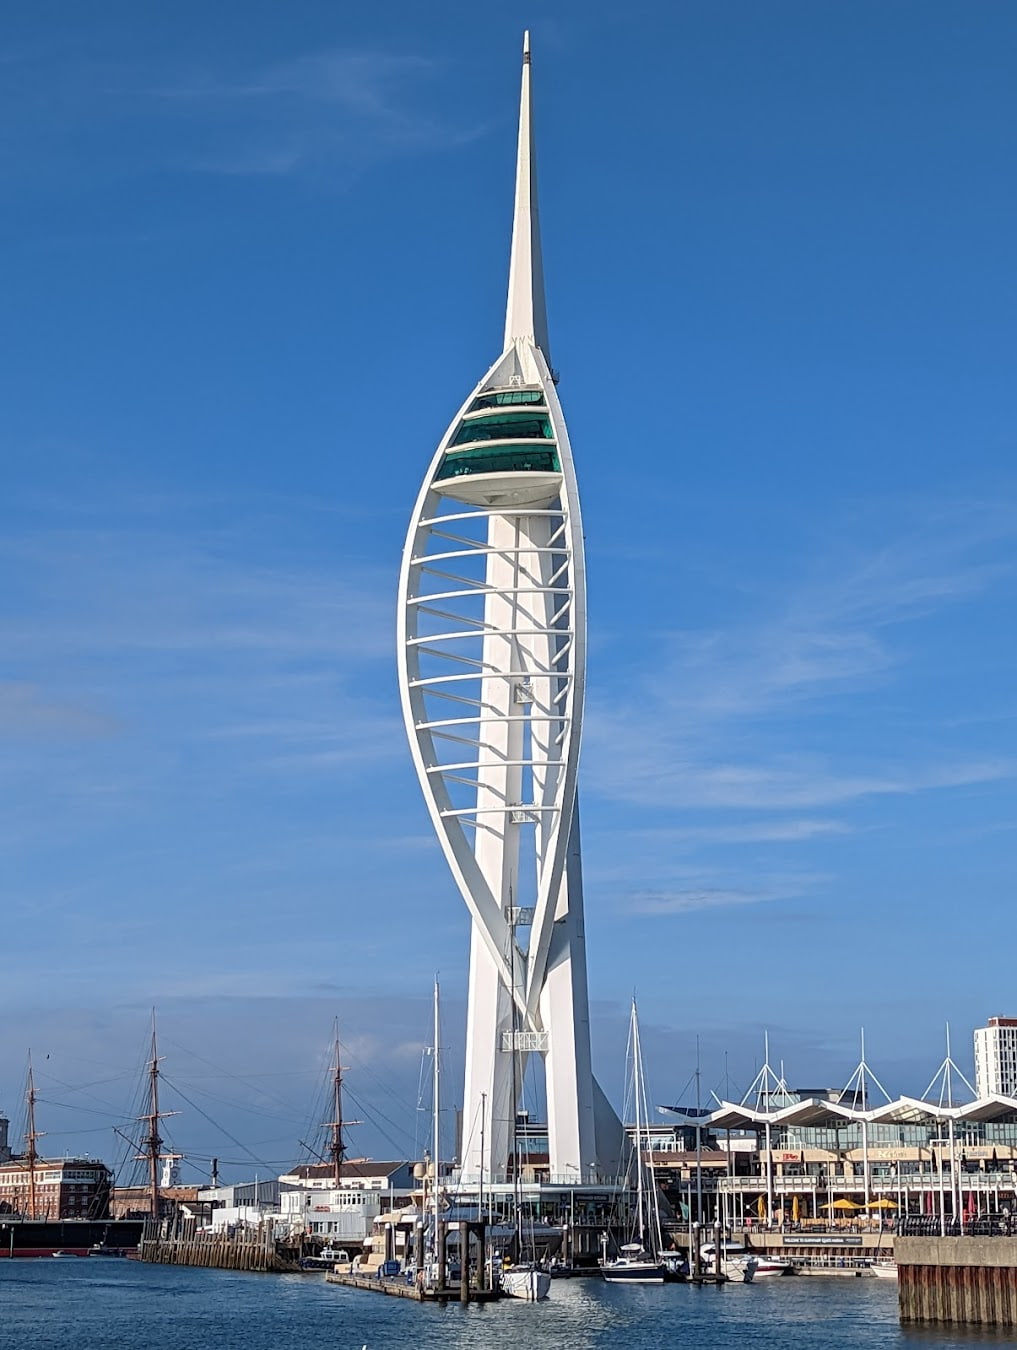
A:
(738, 1262)
(530, 1285)
(633, 1272)
(764, 1269)
(740, 1268)
(884, 1270)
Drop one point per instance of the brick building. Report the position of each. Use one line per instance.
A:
(64, 1188)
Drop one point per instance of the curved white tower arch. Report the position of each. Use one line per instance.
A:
(492, 666)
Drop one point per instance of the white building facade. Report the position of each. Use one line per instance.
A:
(996, 1058)
(492, 665)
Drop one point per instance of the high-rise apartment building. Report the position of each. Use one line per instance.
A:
(996, 1058)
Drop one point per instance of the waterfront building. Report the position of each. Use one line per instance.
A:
(345, 1215)
(356, 1174)
(55, 1188)
(814, 1158)
(492, 668)
(996, 1057)
(244, 1203)
(307, 1200)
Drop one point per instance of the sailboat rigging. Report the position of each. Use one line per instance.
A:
(639, 1260)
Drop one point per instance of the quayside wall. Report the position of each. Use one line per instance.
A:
(969, 1280)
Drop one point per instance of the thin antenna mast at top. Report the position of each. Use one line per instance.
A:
(526, 312)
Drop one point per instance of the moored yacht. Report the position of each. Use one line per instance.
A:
(526, 1281)
(639, 1261)
(634, 1265)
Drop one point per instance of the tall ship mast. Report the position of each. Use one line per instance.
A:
(336, 1126)
(150, 1151)
(32, 1137)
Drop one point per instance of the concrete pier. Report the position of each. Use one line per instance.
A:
(967, 1280)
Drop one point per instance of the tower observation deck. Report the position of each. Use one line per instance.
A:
(492, 667)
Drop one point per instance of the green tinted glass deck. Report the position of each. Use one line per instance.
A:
(499, 459)
(505, 426)
(508, 398)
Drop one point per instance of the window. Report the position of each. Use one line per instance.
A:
(505, 398)
(507, 426)
(499, 459)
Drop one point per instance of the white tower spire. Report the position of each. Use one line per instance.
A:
(492, 671)
(526, 311)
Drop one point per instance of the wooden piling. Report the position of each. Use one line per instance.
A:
(441, 1242)
(464, 1261)
(253, 1249)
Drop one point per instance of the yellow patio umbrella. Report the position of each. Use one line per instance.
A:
(884, 1202)
(795, 1209)
(841, 1204)
(761, 1206)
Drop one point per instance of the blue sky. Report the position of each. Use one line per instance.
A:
(254, 258)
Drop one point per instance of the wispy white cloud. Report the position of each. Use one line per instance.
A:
(725, 719)
(777, 831)
(111, 589)
(334, 105)
(27, 714)
(644, 772)
(686, 900)
(324, 113)
(183, 662)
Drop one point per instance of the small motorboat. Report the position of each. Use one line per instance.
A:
(736, 1259)
(676, 1267)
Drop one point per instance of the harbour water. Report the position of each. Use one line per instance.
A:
(96, 1304)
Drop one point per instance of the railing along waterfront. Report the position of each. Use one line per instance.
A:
(930, 1225)
(505, 1181)
(852, 1185)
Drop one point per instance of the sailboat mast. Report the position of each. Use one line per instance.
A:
(437, 1101)
(480, 1188)
(517, 1195)
(637, 1093)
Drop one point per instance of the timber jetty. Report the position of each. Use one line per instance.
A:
(253, 1247)
(400, 1287)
